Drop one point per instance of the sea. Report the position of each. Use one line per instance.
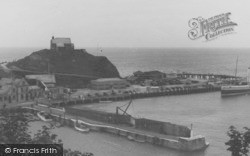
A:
(209, 113)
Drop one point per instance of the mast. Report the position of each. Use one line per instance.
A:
(48, 68)
(248, 75)
(236, 67)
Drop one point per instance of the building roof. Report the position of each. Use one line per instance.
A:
(46, 78)
(107, 80)
(9, 81)
(61, 41)
(5, 81)
(5, 89)
(6, 84)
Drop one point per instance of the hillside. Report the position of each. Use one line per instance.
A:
(77, 62)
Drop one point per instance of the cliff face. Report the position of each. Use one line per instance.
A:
(77, 62)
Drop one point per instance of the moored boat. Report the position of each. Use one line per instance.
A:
(44, 116)
(136, 139)
(235, 90)
(80, 127)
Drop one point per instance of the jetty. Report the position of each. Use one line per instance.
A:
(141, 130)
(173, 90)
(206, 76)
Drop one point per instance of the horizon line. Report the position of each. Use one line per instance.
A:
(133, 47)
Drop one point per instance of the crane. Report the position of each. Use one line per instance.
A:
(124, 111)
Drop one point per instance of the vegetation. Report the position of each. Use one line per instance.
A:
(14, 130)
(239, 141)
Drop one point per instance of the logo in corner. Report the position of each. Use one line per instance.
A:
(210, 28)
(7, 150)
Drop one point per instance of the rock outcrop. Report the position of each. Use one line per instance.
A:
(74, 67)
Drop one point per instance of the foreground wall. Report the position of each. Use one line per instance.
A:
(184, 144)
(100, 116)
(162, 127)
(142, 123)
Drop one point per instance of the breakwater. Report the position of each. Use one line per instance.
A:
(178, 143)
(206, 76)
(167, 91)
(165, 128)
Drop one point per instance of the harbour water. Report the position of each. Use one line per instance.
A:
(210, 114)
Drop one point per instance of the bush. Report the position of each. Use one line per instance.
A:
(239, 141)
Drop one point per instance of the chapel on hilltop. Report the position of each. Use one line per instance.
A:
(61, 44)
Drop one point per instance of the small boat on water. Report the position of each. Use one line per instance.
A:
(44, 116)
(80, 127)
(132, 138)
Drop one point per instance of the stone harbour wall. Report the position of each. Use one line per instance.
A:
(166, 128)
(183, 143)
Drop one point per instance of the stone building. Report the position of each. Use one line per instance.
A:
(149, 75)
(109, 83)
(61, 44)
(17, 91)
(48, 83)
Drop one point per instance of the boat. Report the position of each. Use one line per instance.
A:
(44, 116)
(238, 88)
(235, 90)
(140, 140)
(80, 127)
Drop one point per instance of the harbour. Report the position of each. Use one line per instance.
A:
(210, 115)
(163, 134)
(96, 78)
(196, 106)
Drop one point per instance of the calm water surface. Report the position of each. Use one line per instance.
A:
(210, 115)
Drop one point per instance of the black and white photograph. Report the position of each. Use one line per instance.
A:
(124, 78)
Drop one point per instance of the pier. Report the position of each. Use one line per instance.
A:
(166, 91)
(177, 137)
(206, 76)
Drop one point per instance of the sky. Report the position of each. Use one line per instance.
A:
(118, 23)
